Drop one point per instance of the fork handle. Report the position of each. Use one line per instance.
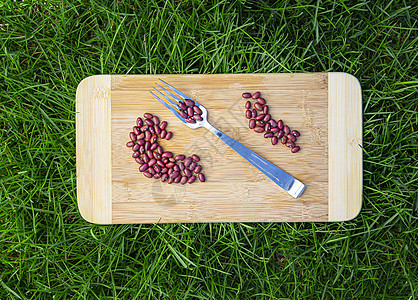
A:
(287, 182)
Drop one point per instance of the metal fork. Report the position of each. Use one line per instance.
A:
(287, 182)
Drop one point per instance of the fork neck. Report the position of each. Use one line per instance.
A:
(214, 130)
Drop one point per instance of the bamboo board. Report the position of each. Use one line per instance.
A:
(325, 107)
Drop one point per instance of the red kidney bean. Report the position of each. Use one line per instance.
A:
(267, 118)
(170, 180)
(165, 160)
(139, 160)
(176, 168)
(144, 127)
(190, 120)
(135, 154)
(183, 114)
(202, 177)
(167, 154)
(295, 133)
(189, 102)
(147, 174)
(149, 122)
(163, 133)
(267, 127)
(164, 177)
(280, 124)
(261, 100)
(147, 134)
(246, 95)
(157, 168)
(141, 136)
(188, 161)
(157, 155)
(142, 149)
(197, 117)
(143, 168)
(274, 129)
(151, 129)
(160, 163)
(160, 150)
(152, 162)
(258, 106)
(192, 179)
(163, 125)
(190, 111)
(295, 149)
(286, 129)
(251, 124)
(150, 154)
(152, 171)
(169, 135)
(156, 120)
(182, 166)
(283, 140)
(139, 122)
(153, 138)
(148, 116)
(136, 130)
(154, 146)
(182, 106)
(256, 95)
(147, 145)
(268, 135)
(184, 179)
(290, 144)
(260, 117)
(164, 170)
(259, 123)
(187, 172)
(130, 144)
(248, 104)
(180, 157)
(254, 113)
(265, 109)
(274, 140)
(132, 136)
(170, 171)
(259, 129)
(172, 159)
(177, 179)
(141, 142)
(197, 169)
(280, 134)
(136, 147)
(174, 174)
(170, 164)
(291, 137)
(157, 176)
(197, 110)
(157, 129)
(195, 157)
(192, 165)
(273, 123)
(145, 158)
(248, 114)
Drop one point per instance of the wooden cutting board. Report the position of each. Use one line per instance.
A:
(325, 107)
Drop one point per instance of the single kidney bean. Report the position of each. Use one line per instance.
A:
(274, 140)
(167, 154)
(266, 109)
(188, 161)
(189, 102)
(163, 133)
(254, 112)
(267, 127)
(139, 122)
(163, 125)
(135, 154)
(157, 168)
(182, 106)
(136, 147)
(141, 142)
(152, 162)
(197, 110)
(153, 138)
(261, 100)
(169, 135)
(190, 111)
(274, 129)
(170, 164)
(260, 117)
(201, 177)
(248, 114)
(157, 129)
(197, 117)
(290, 144)
(259, 129)
(256, 95)
(164, 177)
(151, 129)
(177, 179)
(160, 163)
(172, 159)
(280, 134)
(176, 168)
(182, 166)
(164, 170)
(142, 149)
(267, 118)
(139, 160)
(154, 146)
(132, 136)
(291, 137)
(136, 130)
(160, 150)
(295, 133)
(195, 157)
(174, 174)
(183, 114)
(145, 158)
(192, 179)
(141, 136)
(147, 174)
(192, 165)
(187, 172)
(246, 95)
(184, 179)
(280, 124)
(251, 124)
(152, 171)
(165, 160)
(190, 120)
(268, 135)
(197, 169)
(130, 144)
(147, 134)
(157, 176)
(149, 122)
(258, 106)
(150, 154)
(259, 123)
(144, 127)
(180, 157)
(147, 145)
(170, 180)
(148, 116)
(273, 123)
(170, 171)
(156, 120)
(295, 149)
(286, 129)
(283, 140)
(157, 156)
(143, 168)
(248, 104)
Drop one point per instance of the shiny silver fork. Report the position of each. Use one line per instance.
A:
(287, 182)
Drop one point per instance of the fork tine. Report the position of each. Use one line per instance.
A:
(184, 96)
(171, 94)
(175, 112)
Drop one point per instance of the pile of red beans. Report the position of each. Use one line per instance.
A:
(190, 111)
(261, 121)
(154, 161)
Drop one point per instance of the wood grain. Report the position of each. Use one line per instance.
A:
(235, 191)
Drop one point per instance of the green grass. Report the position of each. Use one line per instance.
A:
(48, 250)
